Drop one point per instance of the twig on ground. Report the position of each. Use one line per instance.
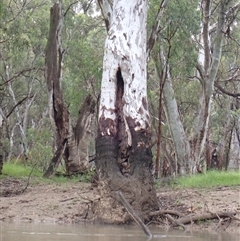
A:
(233, 217)
(219, 223)
(28, 181)
(229, 222)
(67, 199)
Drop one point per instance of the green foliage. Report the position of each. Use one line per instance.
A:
(40, 153)
(182, 21)
(210, 179)
(84, 37)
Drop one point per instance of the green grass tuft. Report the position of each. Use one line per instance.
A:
(19, 170)
(210, 179)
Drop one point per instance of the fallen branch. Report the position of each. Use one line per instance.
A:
(67, 199)
(133, 214)
(235, 218)
(204, 216)
(163, 212)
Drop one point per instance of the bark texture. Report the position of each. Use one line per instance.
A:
(73, 142)
(123, 154)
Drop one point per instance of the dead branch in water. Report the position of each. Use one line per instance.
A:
(176, 222)
(133, 214)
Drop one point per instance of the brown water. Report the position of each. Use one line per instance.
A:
(50, 232)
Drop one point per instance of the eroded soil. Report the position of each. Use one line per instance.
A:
(72, 203)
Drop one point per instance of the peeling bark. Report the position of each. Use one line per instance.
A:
(123, 154)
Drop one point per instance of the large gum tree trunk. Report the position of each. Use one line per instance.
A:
(123, 154)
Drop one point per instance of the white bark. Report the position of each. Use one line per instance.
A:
(180, 140)
(106, 8)
(125, 50)
(234, 154)
(208, 75)
(20, 124)
(2, 117)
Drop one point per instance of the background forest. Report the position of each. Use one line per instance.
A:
(180, 63)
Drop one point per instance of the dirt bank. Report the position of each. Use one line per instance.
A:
(71, 203)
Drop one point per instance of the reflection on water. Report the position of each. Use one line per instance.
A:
(50, 232)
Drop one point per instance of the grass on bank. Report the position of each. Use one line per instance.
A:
(206, 180)
(209, 179)
(17, 170)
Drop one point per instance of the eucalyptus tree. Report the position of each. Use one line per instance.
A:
(21, 74)
(123, 143)
(215, 20)
(71, 139)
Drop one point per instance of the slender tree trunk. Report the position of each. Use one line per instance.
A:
(224, 137)
(20, 119)
(158, 163)
(2, 117)
(208, 68)
(123, 154)
(180, 141)
(234, 143)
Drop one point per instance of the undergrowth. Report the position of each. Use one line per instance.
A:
(17, 170)
(206, 180)
(209, 179)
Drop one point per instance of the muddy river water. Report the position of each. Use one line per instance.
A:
(19, 231)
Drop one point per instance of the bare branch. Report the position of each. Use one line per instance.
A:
(106, 9)
(205, 34)
(235, 95)
(17, 104)
(155, 28)
(17, 75)
(201, 73)
(69, 8)
(232, 11)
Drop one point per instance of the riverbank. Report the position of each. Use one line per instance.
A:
(71, 203)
